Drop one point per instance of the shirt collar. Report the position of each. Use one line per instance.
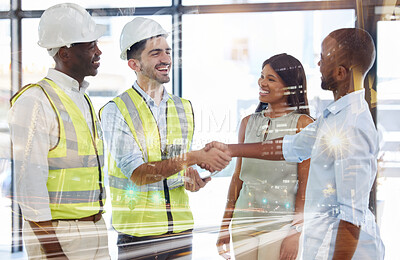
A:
(149, 99)
(338, 105)
(65, 82)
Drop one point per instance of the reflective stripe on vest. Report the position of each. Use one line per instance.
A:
(141, 210)
(75, 179)
(69, 197)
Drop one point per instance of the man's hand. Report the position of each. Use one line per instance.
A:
(46, 235)
(213, 159)
(223, 243)
(290, 246)
(193, 182)
(220, 146)
(209, 147)
(152, 172)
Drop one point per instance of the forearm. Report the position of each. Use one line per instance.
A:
(156, 171)
(299, 201)
(229, 209)
(233, 194)
(47, 237)
(302, 178)
(346, 240)
(152, 172)
(298, 217)
(268, 150)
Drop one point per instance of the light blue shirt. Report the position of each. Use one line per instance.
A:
(343, 147)
(119, 138)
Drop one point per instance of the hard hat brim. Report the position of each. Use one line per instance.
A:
(99, 31)
(123, 54)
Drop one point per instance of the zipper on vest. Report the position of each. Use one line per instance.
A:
(168, 207)
(165, 184)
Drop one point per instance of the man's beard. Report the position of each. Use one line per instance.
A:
(150, 73)
(328, 83)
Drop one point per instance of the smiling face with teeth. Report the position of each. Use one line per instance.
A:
(79, 61)
(155, 61)
(272, 87)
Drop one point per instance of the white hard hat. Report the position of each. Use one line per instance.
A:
(137, 30)
(65, 24)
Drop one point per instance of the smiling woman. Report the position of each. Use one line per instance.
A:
(267, 197)
(272, 88)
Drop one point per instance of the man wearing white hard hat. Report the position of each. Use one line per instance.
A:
(57, 144)
(149, 134)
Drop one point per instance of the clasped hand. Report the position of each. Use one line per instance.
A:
(213, 157)
(218, 156)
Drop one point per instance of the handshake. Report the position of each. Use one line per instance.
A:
(215, 156)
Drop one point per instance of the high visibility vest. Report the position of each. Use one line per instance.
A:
(146, 210)
(75, 180)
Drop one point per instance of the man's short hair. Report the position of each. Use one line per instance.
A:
(135, 51)
(356, 47)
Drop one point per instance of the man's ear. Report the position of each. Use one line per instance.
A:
(63, 53)
(341, 73)
(134, 64)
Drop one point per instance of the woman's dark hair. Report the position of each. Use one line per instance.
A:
(292, 73)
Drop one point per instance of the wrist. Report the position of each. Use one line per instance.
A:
(297, 227)
(230, 151)
(225, 225)
(192, 158)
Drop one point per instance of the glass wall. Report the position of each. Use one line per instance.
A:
(4, 5)
(114, 76)
(222, 58)
(5, 150)
(43, 4)
(221, 63)
(218, 2)
(388, 110)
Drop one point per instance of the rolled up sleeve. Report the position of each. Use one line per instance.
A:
(298, 147)
(119, 140)
(31, 120)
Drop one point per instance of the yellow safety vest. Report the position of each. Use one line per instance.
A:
(142, 210)
(75, 180)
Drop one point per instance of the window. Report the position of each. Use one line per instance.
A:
(222, 58)
(5, 151)
(222, 55)
(221, 61)
(217, 2)
(388, 108)
(43, 4)
(114, 76)
(4, 5)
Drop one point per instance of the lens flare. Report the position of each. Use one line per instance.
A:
(130, 195)
(335, 141)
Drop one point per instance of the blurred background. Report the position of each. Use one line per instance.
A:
(218, 49)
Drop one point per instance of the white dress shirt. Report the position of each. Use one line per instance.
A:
(34, 131)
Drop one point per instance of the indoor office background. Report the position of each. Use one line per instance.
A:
(218, 48)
